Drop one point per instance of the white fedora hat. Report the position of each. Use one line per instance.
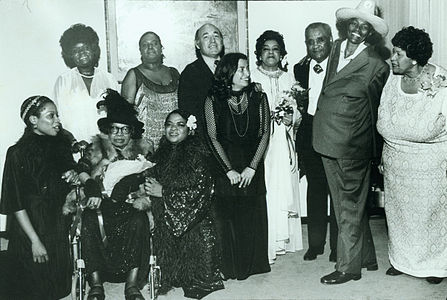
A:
(366, 11)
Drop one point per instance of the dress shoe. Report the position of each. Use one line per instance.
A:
(371, 266)
(338, 277)
(311, 255)
(434, 280)
(333, 256)
(393, 272)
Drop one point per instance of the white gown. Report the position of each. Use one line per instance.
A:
(281, 172)
(77, 109)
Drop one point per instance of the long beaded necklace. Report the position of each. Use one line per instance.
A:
(243, 105)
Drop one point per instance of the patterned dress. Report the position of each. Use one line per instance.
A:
(154, 102)
(415, 164)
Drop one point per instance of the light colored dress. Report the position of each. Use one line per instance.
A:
(415, 165)
(76, 107)
(153, 102)
(281, 172)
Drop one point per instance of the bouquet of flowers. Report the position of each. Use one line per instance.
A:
(433, 84)
(296, 97)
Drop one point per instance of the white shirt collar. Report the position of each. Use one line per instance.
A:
(353, 55)
(323, 64)
(210, 62)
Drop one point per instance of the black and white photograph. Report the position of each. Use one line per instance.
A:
(223, 150)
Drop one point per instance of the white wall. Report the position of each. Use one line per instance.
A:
(30, 55)
(290, 18)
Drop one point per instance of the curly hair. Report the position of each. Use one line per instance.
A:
(415, 42)
(79, 33)
(270, 35)
(373, 37)
(223, 76)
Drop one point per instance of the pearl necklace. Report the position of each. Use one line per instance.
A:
(86, 76)
(413, 80)
(272, 74)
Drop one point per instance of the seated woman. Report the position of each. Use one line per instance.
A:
(118, 249)
(180, 186)
(151, 87)
(33, 193)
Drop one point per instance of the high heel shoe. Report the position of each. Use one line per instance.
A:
(434, 280)
(393, 272)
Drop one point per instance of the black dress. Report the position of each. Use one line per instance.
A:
(238, 139)
(127, 229)
(185, 233)
(32, 182)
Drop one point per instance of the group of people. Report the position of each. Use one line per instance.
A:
(208, 161)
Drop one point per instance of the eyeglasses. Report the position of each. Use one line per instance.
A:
(121, 130)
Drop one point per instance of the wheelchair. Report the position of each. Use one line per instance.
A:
(78, 286)
(78, 289)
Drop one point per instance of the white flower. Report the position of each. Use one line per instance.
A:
(141, 157)
(191, 123)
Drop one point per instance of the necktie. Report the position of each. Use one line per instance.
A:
(318, 69)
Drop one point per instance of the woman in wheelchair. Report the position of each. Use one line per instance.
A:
(115, 232)
(180, 187)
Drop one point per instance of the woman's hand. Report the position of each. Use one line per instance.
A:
(153, 188)
(246, 177)
(234, 177)
(40, 254)
(287, 120)
(71, 177)
(93, 202)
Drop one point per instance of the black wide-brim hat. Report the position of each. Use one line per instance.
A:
(118, 111)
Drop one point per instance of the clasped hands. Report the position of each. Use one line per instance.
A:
(244, 178)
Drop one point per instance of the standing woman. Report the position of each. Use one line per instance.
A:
(412, 121)
(237, 119)
(33, 192)
(77, 91)
(281, 166)
(152, 87)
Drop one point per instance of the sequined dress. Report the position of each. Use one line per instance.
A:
(238, 139)
(415, 164)
(154, 102)
(185, 236)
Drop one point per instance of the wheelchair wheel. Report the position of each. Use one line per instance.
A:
(78, 287)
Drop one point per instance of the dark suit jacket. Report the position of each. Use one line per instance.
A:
(344, 124)
(194, 84)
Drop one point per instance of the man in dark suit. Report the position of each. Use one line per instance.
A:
(196, 78)
(310, 72)
(344, 130)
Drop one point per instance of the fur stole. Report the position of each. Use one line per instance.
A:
(179, 166)
(53, 152)
(101, 152)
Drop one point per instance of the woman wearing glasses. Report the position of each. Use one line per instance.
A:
(115, 243)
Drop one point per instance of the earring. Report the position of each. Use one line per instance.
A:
(414, 62)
